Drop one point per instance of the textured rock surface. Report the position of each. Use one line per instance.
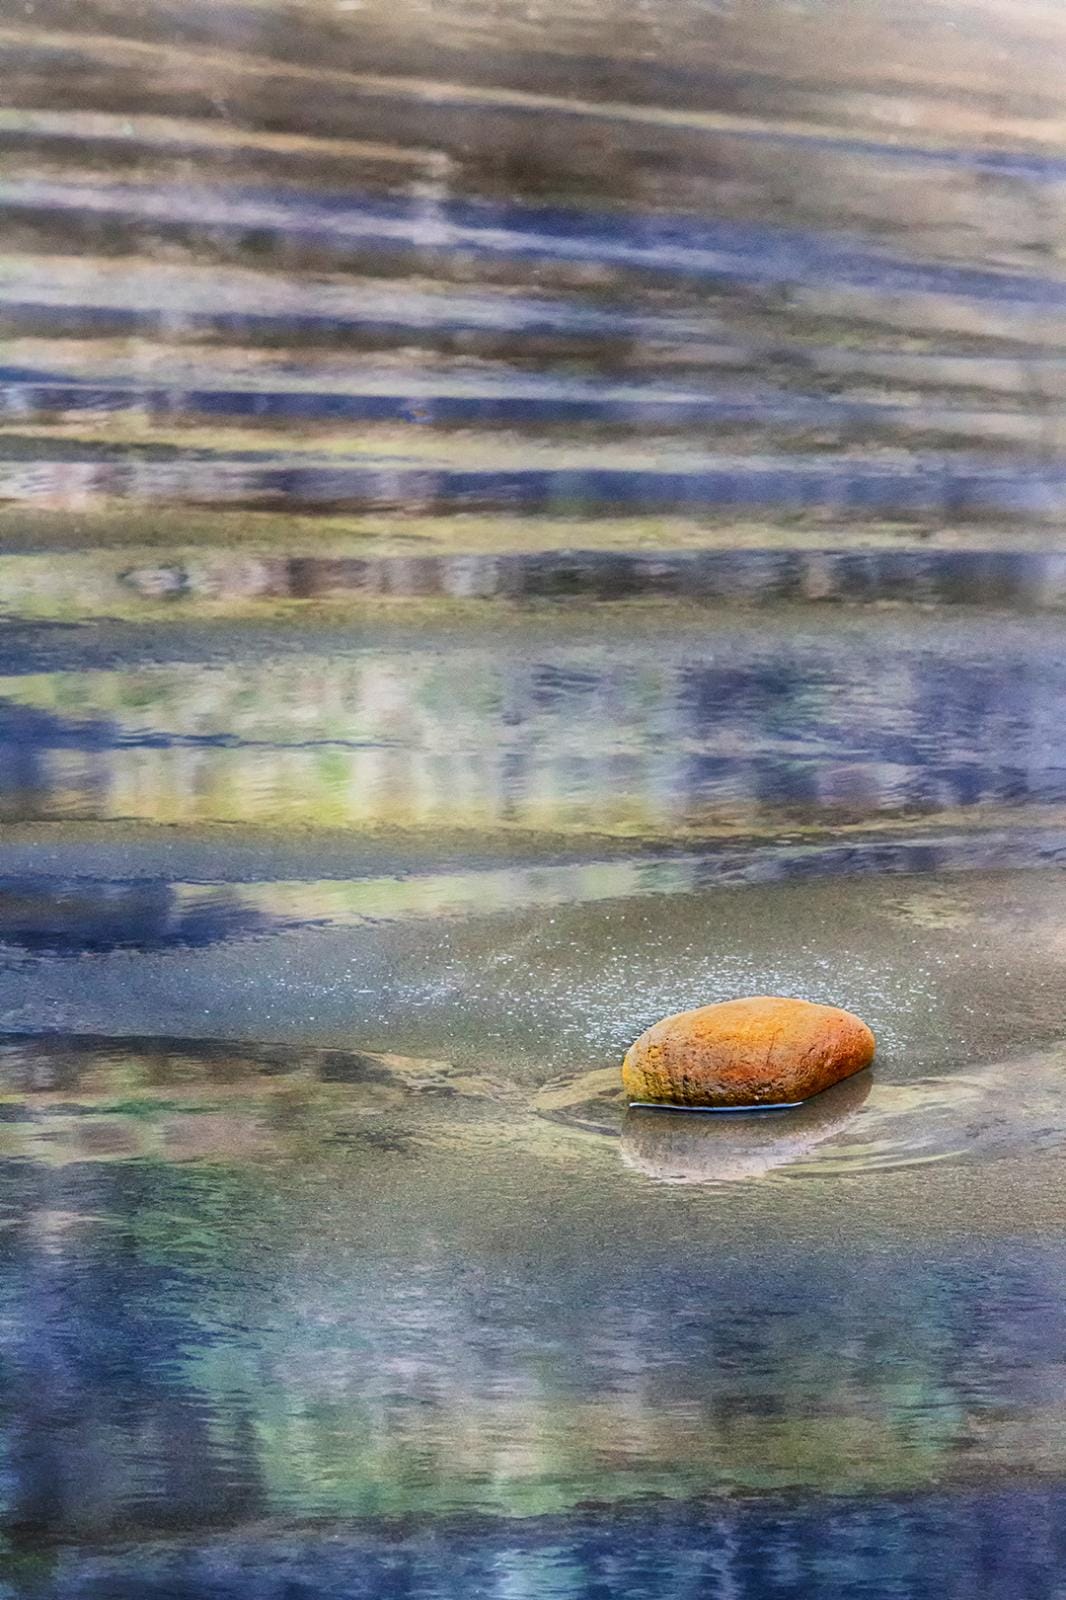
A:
(760, 1051)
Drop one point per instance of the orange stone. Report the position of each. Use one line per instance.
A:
(759, 1051)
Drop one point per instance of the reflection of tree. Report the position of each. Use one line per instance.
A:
(191, 1346)
(573, 736)
(97, 1328)
(27, 733)
(71, 918)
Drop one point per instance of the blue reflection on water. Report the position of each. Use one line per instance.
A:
(1001, 1544)
(182, 1361)
(747, 727)
(682, 246)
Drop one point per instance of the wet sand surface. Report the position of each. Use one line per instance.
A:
(515, 521)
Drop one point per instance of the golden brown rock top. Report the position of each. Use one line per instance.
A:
(764, 1050)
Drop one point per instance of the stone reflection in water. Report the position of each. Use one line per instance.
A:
(866, 1124)
(726, 1147)
(862, 1125)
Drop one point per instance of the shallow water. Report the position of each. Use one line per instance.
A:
(281, 1317)
(515, 521)
(411, 1300)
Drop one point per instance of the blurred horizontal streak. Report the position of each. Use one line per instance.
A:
(685, 247)
(511, 400)
(147, 130)
(127, 51)
(935, 486)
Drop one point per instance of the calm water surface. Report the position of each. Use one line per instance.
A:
(515, 520)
